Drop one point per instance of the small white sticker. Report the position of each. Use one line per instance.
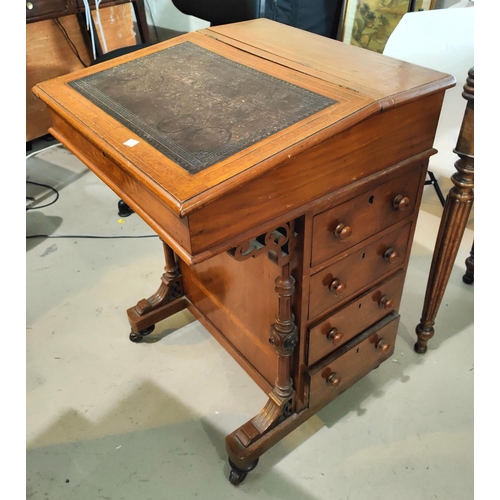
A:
(131, 143)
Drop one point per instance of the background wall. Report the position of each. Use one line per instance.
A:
(163, 14)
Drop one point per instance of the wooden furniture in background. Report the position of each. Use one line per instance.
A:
(453, 223)
(283, 172)
(468, 277)
(49, 53)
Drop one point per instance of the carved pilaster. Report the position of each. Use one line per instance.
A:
(284, 337)
(453, 222)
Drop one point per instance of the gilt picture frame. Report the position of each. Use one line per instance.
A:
(369, 23)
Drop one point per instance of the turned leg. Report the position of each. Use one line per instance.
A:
(248, 442)
(454, 220)
(168, 299)
(468, 277)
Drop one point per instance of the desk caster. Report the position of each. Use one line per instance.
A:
(137, 337)
(237, 475)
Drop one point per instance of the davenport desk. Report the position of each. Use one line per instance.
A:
(283, 172)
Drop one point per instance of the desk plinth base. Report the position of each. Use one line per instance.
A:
(247, 443)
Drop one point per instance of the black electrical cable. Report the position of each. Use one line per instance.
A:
(74, 236)
(71, 236)
(70, 43)
(45, 186)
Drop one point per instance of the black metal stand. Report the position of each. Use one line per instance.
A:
(433, 181)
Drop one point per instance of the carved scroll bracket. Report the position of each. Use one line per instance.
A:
(170, 287)
(167, 300)
(277, 243)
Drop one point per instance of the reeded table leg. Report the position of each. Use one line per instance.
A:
(455, 215)
(168, 300)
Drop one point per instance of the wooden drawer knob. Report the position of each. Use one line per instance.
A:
(337, 287)
(334, 335)
(385, 302)
(384, 346)
(391, 255)
(343, 232)
(29, 5)
(401, 202)
(333, 379)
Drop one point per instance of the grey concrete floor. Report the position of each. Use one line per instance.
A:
(110, 419)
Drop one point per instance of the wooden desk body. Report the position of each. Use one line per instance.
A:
(291, 250)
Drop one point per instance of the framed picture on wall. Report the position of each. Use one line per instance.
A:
(369, 23)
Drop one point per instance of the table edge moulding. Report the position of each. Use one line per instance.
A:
(284, 182)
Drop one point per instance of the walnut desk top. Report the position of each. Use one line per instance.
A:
(255, 140)
(315, 89)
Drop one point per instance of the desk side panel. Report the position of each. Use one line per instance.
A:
(239, 300)
(363, 150)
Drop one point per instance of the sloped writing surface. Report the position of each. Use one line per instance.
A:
(195, 106)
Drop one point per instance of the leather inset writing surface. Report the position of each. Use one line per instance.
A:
(197, 107)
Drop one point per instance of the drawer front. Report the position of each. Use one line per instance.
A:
(46, 9)
(344, 278)
(344, 324)
(353, 361)
(81, 4)
(347, 224)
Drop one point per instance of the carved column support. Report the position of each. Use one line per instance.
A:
(284, 338)
(170, 287)
(167, 300)
(284, 333)
(453, 222)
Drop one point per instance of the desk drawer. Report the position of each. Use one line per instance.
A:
(353, 361)
(46, 9)
(351, 222)
(81, 4)
(343, 279)
(344, 324)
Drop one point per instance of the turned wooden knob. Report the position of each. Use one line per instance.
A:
(334, 335)
(333, 379)
(383, 345)
(391, 255)
(401, 202)
(385, 302)
(343, 232)
(337, 287)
